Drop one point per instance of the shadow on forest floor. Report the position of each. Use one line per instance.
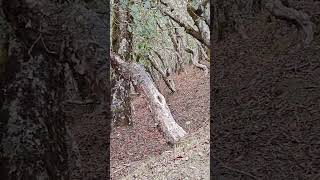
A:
(266, 109)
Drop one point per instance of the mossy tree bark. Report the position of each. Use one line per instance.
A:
(122, 44)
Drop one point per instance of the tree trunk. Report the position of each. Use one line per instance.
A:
(116, 19)
(121, 100)
(35, 143)
(202, 37)
(158, 106)
(122, 43)
(201, 23)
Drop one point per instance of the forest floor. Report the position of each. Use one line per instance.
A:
(140, 151)
(135, 147)
(266, 92)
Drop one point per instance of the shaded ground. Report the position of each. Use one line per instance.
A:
(90, 133)
(190, 108)
(266, 108)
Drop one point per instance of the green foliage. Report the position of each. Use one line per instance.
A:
(141, 50)
(144, 29)
(144, 21)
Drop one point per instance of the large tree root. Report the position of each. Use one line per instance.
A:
(195, 60)
(299, 18)
(158, 106)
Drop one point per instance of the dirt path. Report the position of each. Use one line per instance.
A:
(132, 147)
(188, 160)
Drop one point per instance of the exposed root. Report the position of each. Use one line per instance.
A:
(299, 18)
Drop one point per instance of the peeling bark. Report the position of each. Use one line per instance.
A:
(158, 106)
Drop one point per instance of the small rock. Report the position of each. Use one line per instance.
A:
(188, 122)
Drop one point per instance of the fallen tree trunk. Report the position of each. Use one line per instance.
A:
(299, 18)
(158, 106)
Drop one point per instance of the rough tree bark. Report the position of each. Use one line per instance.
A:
(176, 49)
(196, 15)
(158, 106)
(46, 38)
(202, 37)
(121, 86)
(121, 106)
(116, 26)
(300, 19)
(176, 40)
